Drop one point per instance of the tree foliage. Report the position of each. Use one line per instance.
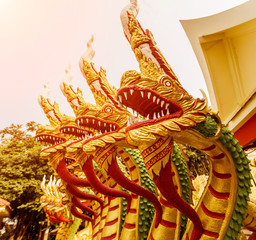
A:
(21, 174)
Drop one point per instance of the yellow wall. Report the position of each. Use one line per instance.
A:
(231, 60)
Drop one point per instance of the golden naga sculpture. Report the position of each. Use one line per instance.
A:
(171, 114)
(132, 168)
(75, 149)
(63, 129)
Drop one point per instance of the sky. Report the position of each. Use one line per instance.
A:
(40, 38)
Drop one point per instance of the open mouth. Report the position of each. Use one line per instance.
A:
(152, 106)
(100, 125)
(78, 132)
(50, 139)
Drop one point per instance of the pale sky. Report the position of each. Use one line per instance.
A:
(40, 38)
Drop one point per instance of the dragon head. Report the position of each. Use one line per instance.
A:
(155, 92)
(50, 134)
(54, 201)
(62, 129)
(75, 98)
(107, 117)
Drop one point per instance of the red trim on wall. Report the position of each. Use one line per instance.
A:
(247, 133)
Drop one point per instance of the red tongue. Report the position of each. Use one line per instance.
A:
(70, 178)
(100, 187)
(165, 184)
(120, 178)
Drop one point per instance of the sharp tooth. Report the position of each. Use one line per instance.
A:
(100, 132)
(149, 94)
(87, 120)
(93, 120)
(99, 123)
(131, 91)
(142, 94)
(168, 112)
(147, 116)
(114, 127)
(154, 116)
(73, 129)
(110, 127)
(120, 98)
(158, 115)
(105, 124)
(78, 123)
(82, 120)
(68, 129)
(125, 95)
(162, 103)
(167, 105)
(154, 98)
(158, 100)
(162, 112)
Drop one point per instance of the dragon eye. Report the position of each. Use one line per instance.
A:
(166, 81)
(108, 109)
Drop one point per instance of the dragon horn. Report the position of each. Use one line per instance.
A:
(52, 111)
(151, 61)
(97, 81)
(75, 98)
(132, 8)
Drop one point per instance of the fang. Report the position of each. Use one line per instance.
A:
(120, 98)
(125, 95)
